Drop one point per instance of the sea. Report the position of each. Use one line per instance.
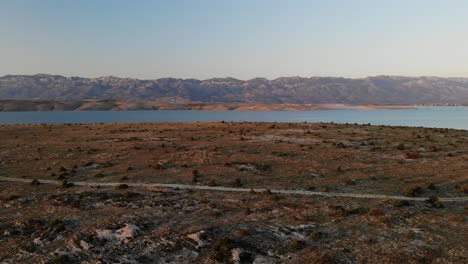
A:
(455, 117)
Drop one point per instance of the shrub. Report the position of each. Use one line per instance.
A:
(340, 145)
(434, 202)
(212, 183)
(400, 147)
(397, 203)
(313, 235)
(237, 182)
(295, 245)
(412, 192)
(194, 179)
(432, 149)
(195, 173)
(35, 182)
(375, 212)
(403, 213)
(221, 249)
(124, 178)
(350, 182)
(248, 211)
(385, 220)
(412, 155)
(275, 197)
(66, 184)
(464, 188)
(10, 197)
(431, 186)
(341, 212)
(122, 186)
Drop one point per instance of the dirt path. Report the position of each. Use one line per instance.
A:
(228, 189)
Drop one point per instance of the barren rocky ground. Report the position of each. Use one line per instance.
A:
(67, 223)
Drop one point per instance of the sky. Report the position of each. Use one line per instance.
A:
(244, 39)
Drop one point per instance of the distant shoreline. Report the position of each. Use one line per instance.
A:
(117, 105)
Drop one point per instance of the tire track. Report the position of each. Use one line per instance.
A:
(229, 189)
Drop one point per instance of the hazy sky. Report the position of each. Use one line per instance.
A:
(237, 38)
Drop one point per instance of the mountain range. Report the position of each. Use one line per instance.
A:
(380, 90)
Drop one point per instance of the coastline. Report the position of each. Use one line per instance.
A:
(117, 105)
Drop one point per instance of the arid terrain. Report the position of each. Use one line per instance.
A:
(422, 219)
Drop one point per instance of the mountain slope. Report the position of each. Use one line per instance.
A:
(290, 90)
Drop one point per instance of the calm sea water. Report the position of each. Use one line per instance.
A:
(441, 117)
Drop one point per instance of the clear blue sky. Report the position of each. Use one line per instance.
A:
(238, 38)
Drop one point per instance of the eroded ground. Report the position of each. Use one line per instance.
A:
(51, 223)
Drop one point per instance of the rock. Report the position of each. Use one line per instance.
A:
(241, 256)
(121, 235)
(105, 234)
(84, 245)
(236, 252)
(38, 241)
(127, 232)
(259, 259)
(247, 167)
(197, 238)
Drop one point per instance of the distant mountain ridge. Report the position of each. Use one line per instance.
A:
(285, 90)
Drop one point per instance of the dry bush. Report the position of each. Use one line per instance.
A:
(122, 186)
(375, 212)
(464, 188)
(35, 182)
(434, 202)
(412, 155)
(221, 249)
(431, 186)
(212, 183)
(237, 183)
(311, 256)
(295, 245)
(433, 149)
(413, 191)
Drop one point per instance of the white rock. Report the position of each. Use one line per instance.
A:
(196, 237)
(38, 241)
(105, 234)
(84, 245)
(126, 232)
(235, 255)
(122, 235)
(262, 260)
